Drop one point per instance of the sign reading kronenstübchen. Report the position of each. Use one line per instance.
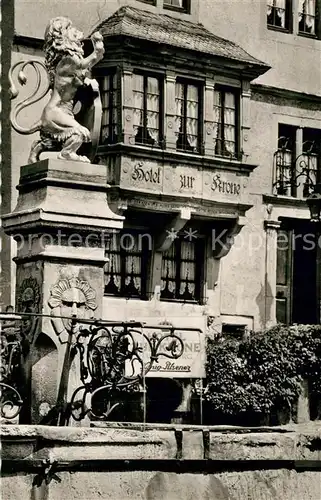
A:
(191, 364)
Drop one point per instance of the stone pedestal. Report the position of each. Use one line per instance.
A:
(61, 223)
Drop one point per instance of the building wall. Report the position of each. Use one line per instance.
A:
(246, 285)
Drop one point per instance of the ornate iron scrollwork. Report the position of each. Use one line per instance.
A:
(116, 357)
(10, 398)
(288, 170)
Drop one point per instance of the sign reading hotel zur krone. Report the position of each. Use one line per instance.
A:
(182, 180)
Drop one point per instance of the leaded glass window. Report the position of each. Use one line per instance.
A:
(126, 270)
(181, 5)
(108, 86)
(187, 119)
(226, 133)
(181, 273)
(307, 16)
(147, 116)
(279, 13)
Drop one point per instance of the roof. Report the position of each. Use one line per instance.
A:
(164, 29)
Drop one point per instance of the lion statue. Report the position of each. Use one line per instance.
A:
(67, 70)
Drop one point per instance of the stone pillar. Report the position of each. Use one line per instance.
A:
(170, 110)
(271, 228)
(128, 102)
(208, 118)
(245, 119)
(60, 223)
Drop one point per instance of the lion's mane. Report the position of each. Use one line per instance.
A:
(58, 44)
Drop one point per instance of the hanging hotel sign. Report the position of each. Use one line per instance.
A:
(204, 183)
(191, 361)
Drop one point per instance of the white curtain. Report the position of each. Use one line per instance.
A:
(217, 116)
(138, 91)
(229, 123)
(133, 266)
(168, 271)
(280, 10)
(112, 270)
(192, 115)
(179, 102)
(153, 108)
(307, 7)
(187, 270)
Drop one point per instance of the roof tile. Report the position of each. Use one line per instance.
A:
(164, 29)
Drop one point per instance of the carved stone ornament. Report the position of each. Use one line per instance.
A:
(28, 300)
(70, 297)
(68, 80)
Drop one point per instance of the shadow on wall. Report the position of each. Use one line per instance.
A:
(170, 486)
(264, 301)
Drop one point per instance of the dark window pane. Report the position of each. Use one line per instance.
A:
(108, 89)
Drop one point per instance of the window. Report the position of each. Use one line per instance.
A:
(226, 127)
(297, 160)
(147, 116)
(284, 159)
(108, 87)
(279, 14)
(311, 153)
(187, 119)
(182, 270)
(151, 2)
(180, 5)
(126, 271)
(307, 16)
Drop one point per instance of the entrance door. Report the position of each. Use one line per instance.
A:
(297, 271)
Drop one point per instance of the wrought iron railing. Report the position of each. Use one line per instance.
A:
(292, 176)
(109, 357)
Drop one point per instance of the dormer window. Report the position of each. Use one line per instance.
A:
(146, 113)
(187, 119)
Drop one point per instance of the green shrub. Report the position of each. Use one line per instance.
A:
(265, 371)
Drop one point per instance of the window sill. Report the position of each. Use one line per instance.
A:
(311, 36)
(279, 29)
(177, 157)
(285, 200)
(179, 301)
(149, 2)
(183, 10)
(114, 297)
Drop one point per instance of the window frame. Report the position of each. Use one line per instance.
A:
(224, 89)
(185, 9)
(200, 270)
(200, 132)
(161, 109)
(317, 20)
(288, 25)
(149, 2)
(145, 255)
(115, 91)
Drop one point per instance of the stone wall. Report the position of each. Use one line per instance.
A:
(161, 462)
